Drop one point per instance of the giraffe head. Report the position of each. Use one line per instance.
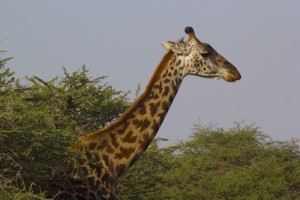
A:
(201, 59)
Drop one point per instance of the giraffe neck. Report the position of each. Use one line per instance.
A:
(122, 143)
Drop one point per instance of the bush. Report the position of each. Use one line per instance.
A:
(240, 163)
(39, 121)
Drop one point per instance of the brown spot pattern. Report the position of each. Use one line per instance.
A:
(172, 61)
(142, 110)
(165, 74)
(165, 106)
(154, 108)
(136, 122)
(125, 152)
(201, 63)
(145, 124)
(120, 169)
(122, 130)
(146, 137)
(175, 72)
(166, 91)
(105, 145)
(114, 140)
(167, 80)
(152, 95)
(158, 86)
(155, 127)
(129, 138)
(92, 146)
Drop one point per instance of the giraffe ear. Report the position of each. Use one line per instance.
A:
(167, 45)
(177, 48)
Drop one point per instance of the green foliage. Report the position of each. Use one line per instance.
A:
(240, 163)
(9, 191)
(6, 76)
(39, 121)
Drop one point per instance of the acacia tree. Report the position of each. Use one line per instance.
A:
(240, 163)
(40, 120)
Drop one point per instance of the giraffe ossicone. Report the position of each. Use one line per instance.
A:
(107, 154)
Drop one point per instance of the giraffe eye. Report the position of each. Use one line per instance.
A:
(205, 54)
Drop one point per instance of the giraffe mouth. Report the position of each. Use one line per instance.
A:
(231, 76)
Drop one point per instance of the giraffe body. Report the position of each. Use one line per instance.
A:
(108, 153)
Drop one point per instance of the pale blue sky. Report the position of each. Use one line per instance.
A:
(122, 39)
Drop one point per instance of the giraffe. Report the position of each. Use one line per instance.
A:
(106, 154)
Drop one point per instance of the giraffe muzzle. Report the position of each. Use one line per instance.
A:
(232, 75)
